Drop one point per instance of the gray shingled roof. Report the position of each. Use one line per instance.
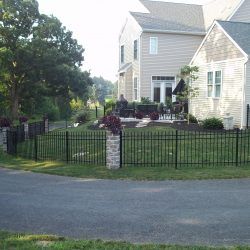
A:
(166, 16)
(240, 33)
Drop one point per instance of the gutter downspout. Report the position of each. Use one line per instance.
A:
(243, 110)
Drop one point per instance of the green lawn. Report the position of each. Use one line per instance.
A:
(131, 173)
(14, 241)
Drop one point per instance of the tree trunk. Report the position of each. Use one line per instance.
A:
(14, 103)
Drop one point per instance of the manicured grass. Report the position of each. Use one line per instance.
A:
(131, 173)
(16, 241)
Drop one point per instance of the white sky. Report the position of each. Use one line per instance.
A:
(96, 25)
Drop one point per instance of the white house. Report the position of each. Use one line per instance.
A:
(224, 72)
(154, 45)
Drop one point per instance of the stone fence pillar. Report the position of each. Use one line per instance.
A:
(113, 151)
(26, 130)
(4, 137)
(46, 125)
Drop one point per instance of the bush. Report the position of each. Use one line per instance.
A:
(4, 122)
(139, 115)
(83, 117)
(154, 116)
(54, 113)
(112, 123)
(192, 118)
(145, 100)
(212, 123)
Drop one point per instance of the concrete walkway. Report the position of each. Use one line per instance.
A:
(183, 212)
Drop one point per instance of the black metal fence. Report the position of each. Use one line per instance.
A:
(71, 147)
(173, 149)
(181, 148)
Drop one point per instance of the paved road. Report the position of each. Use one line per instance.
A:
(184, 212)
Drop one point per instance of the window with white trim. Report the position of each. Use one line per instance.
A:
(153, 46)
(135, 88)
(214, 81)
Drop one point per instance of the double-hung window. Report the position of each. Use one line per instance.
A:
(153, 46)
(214, 81)
(135, 88)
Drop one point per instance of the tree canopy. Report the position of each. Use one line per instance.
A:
(38, 56)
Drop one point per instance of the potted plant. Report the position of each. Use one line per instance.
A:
(112, 123)
(154, 116)
(4, 122)
(23, 119)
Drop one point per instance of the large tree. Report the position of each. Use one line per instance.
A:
(37, 55)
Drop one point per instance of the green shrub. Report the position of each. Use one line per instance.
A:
(212, 123)
(145, 100)
(53, 113)
(192, 118)
(83, 116)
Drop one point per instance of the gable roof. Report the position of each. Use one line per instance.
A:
(167, 16)
(219, 10)
(239, 32)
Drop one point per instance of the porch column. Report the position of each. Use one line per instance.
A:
(163, 92)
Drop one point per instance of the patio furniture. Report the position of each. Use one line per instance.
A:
(146, 109)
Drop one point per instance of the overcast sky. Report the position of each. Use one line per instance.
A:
(96, 25)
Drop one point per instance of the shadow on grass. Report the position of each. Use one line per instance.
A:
(125, 173)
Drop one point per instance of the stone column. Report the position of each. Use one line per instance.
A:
(4, 138)
(46, 125)
(113, 151)
(1, 137)
(26, 130)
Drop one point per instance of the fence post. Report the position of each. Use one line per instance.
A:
(36, 157)
(96, 112)
(237, 147)
(176, 149)
(248, 109)
(120, 149)
(67, 146)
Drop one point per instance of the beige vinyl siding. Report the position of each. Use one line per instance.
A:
(174, 51)
(219, 10)
(130, 33)
(231, 91)
(243, 13)
(217, 47)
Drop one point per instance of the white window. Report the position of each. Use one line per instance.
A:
(135, 88)
(153, 45)
(214, 81)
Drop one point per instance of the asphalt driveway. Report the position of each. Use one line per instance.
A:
(183, 212)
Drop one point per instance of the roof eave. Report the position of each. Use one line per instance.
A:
(194, 33)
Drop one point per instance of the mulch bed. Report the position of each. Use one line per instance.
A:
(176, 125)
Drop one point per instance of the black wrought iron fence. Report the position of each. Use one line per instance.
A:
(71, 147)
(181, 148)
